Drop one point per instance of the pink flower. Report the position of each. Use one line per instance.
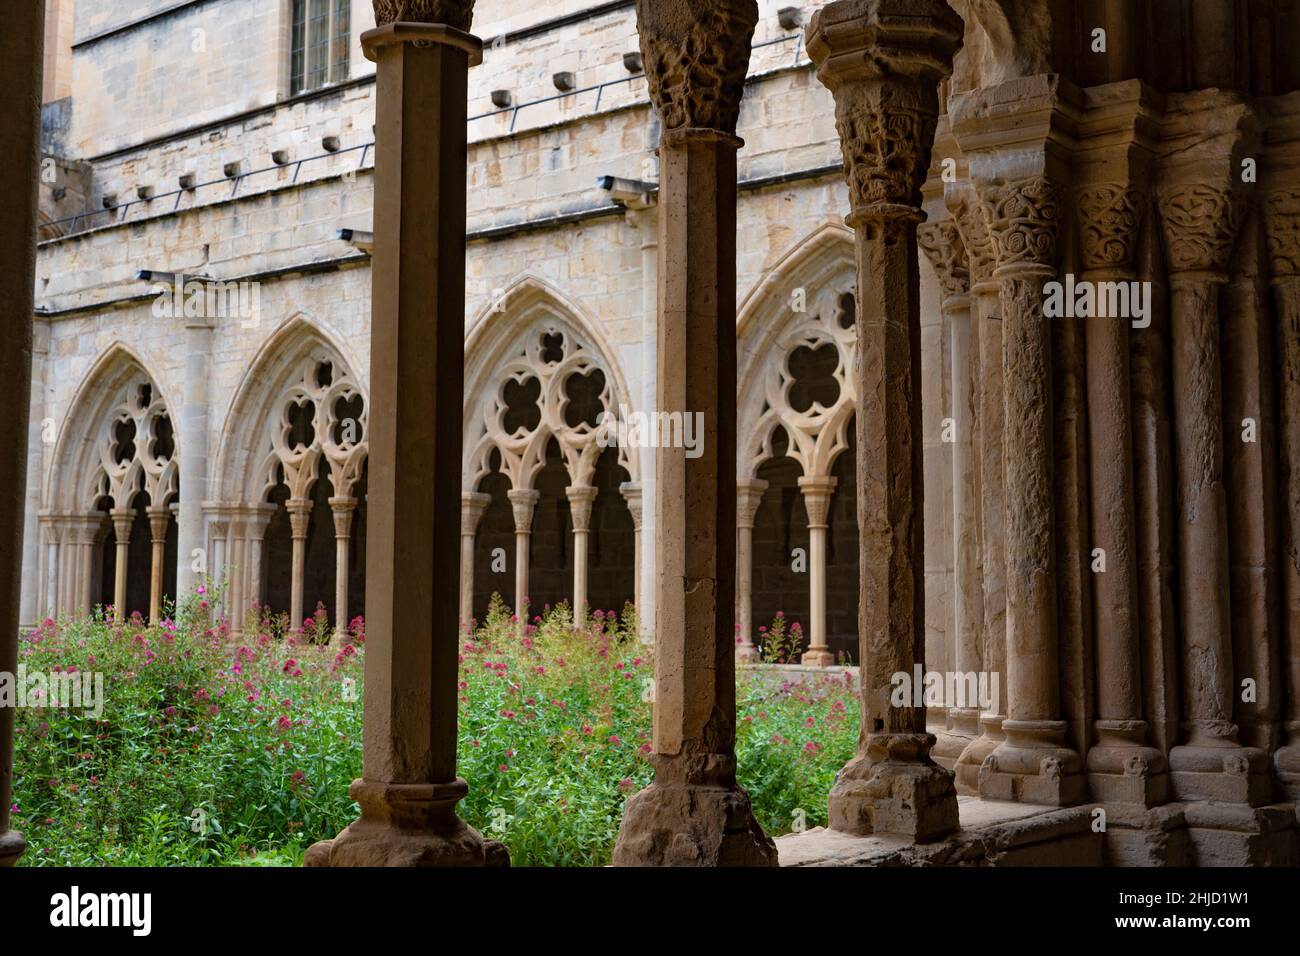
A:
(613, 740)
(586, 728)
(284, 722)
(625, 784)
(646, 748)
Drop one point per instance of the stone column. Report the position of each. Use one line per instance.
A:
(884, 71)
(523, 501)
(159, 519)
(749, 495)
(409, 789)
(218, 527)
(942, 243)
(343, 507)
(258, 517)
(981, 260)
(299, 521)
(193, 446)
(1201, 213)
(472, 506)
(1282, 219)
(50, 585)
(647, 223)
(631, 492)
(581, 498)
(29, 612)
(1033, 764)
(20, 76)
(123, 519)
(817, 493)
(1121, 766)
(694, 813)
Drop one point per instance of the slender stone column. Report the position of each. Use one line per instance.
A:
(982, 261)
(190, 525)
(299, 522)
(218, 527)
(409, 789)
(256, 521)
(21, 44)
(159, 520)
(523, 501)
(749, 495)
(472, 506)
(89, 530)
(1282, 219)
(632, 494)
(941, 241)
(49, 606)
(236, 541)
(694, 813)
(581, 498)
(123, 519)
(343, 507)
(1201, 213)
(1033, 764)
(1121, 767)
(883, 60)
(817, 502)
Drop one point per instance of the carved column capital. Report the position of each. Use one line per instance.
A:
(123, 520)
(696, 57)
(1200, 224)
(523, 501)
(942, 243)
(883, 60)
(458, 14)
(631, 492)
(343, 507)
(299, 515)
(1023, 219)
(581, 498)
(964, 206)
(1282, 226)
(159, 518)
(749, 494)
(472, 506)
(817, 498)
(1109, 215)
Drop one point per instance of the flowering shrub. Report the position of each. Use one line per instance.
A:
(212, 752)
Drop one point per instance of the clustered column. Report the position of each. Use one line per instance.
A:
(694, 813)
(884, 72)
(409, 788)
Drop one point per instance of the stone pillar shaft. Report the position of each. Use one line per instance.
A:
(472, 506)
(122, 522)
(409, 787)
(21, 44)
(299, 522)
(523, 501)
(159, 519)
(749, 495)
(817, 500)
(884, 73)
(343, 507)
(581, 498)
(632, 494)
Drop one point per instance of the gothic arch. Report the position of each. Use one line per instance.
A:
(117, 439)
(801, 310)
(532, 339)
(302, 402)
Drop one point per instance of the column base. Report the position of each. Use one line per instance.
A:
(895, 788)
(1147, 837)
(1122, 769)
(12, 846)
(692, 817)
(818, 657)
(1286, 761)
(967, 767)
(1033, 765)
(746, 654)
(1226, 772)
(962, 730)
(1235, 835)
(408, 825)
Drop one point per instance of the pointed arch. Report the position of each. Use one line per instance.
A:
(303, 366)
(800, 308)
(534, 337)
(94, 458)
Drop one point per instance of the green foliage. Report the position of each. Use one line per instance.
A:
(213, 753)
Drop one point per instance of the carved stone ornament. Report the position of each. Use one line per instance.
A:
(886, 137)
(942, 244)
(696, 57)
(1282, 221)
(1200, 223)
(975, 236)
(458, 14)
(1110, 214)
(1023, 219)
